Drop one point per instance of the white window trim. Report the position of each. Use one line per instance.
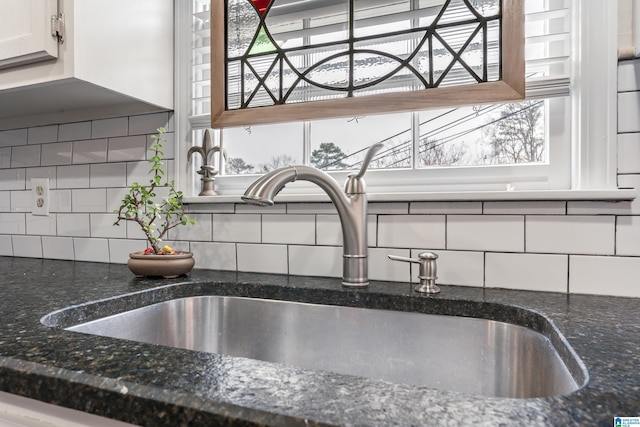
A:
(593, 140)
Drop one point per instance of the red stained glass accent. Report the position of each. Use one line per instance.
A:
(261, 5)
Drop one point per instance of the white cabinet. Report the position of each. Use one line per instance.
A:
(23, 37)
(116, 59)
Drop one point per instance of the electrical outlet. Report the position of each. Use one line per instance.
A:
(40, 196)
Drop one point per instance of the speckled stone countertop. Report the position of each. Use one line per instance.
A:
(155, 385)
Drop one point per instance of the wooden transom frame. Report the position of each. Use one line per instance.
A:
(510, 88)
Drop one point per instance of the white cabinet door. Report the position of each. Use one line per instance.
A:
(25, 32)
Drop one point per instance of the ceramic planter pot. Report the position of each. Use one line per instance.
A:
(167, 266)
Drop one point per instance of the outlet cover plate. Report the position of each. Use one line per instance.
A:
(40, 196)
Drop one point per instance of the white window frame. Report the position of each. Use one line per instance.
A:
(590, 148)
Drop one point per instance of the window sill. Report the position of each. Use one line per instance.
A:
(457, 196)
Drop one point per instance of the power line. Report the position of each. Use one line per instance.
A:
(433, 133)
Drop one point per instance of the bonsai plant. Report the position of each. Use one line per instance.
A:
(155, 216)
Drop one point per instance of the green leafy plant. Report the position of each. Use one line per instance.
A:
(140, 204)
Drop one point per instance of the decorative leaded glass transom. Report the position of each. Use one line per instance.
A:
(290, 51)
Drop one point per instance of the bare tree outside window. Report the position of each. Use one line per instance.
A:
(436, 153)
(395, 154)
(237, 166)
(276, 162)
(517, 135)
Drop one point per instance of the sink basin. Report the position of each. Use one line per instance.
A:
(450, 353)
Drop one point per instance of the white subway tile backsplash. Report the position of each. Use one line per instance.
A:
(262, 258)
(523, 208)
(90, 151)
(628, 235)
(5, 201)
(590, 235)
(536, 272)
(162, 193)
(329, 230)
(127, 149)
(388, 208)
(43, 172)
(25, 156)
(461, 268)
(311, 208)
(628, 112)
(446, 208)
(89, 200)
(629, 153)
(106, 128)
(94, 250)
(245, 228)
(629, 181)
(21, 201)
(133, 230)
(74, 131)
(200, 231)
(12, 179)
(5, 157)
(148, 123)
(244, 208)
(119, 249)
(9, 138)
(73, 176)
(485, 233)
(41, 225)
(213, 208)
(6, 245)
(57, 247)
(411, 231)
(602, 275)
(599, 208)
(214, 256)
(60, 201)
(58, 153)
(27, 246)
(108, 175)
(42, 134)
(289, 229)
(102, 226)
(74, 225)
(315, 261)
(114, 198)
(12, 223)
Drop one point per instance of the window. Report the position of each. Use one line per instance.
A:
(546, 142)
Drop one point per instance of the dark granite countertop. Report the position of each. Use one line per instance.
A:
(155, 385)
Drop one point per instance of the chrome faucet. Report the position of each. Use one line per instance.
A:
(351, 205)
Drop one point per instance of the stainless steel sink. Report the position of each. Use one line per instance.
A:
(467, 355)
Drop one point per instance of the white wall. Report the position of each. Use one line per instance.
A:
(576, 247)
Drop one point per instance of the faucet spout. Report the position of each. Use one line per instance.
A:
(351, 207)
(264, 189)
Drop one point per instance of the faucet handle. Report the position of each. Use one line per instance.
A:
(368, 157)
(354, 185)
(428, 270)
